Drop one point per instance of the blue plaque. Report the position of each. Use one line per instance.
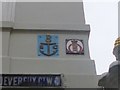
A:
(48, 45)
(31, 80)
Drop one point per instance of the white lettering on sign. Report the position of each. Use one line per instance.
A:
(24, 79)
(15, 81)
(39, 80)
(19, 80)
(5, 81)
(34, 79)
(49, 81)
(10, 80)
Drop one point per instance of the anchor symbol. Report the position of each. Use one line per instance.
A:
(49, 44)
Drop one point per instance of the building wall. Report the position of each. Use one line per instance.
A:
(39, 14)
(23, 42)
(20, 57)
(19, 53)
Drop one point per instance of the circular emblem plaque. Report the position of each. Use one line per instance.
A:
(74, 46)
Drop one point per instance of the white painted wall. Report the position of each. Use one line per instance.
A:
(32, 65)
(5, 42)
(39, 14)
(20, 44)
(24, 44)
(0, 51)
(22, 58)
(8, 14)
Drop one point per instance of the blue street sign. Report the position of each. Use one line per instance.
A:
(46, 80)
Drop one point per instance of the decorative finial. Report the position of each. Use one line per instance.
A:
(116, 50)
(117, 42)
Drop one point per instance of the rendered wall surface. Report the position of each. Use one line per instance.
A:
(22, 58)
(19, 53)
(39, 14)
(24, 44)
(5, 50)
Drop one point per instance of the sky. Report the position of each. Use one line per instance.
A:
(102, 15)
(103, 19)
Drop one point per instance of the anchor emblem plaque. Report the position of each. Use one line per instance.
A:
(74, 46)
(48, 45)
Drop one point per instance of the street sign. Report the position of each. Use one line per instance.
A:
(31, 80)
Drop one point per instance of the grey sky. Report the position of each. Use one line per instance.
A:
(103, 19)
